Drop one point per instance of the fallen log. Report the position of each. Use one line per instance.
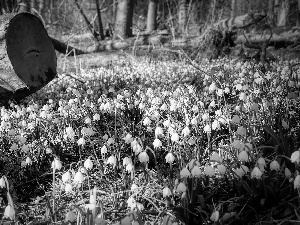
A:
(288, 35)
(27, 56)
(239, 22)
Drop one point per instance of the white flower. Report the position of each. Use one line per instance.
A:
(158, 131)
(209, 171)
(166, 192)
(287, 172)
(215, 216)
(185, 173)
(243, 156)
(2, 183)
(134, 187)
(157, 143)
(128, 138)
(129, 168)
(196, 172)
(56, 164)
(239, 173)
(295, 157)
(241, 131)
(126, 161)
(274, 165)
(131, 202)
(175, 137)
(143, 157)
(81, 141)
(112, 160)
(261, 162)
(215, 125)
(137, 148)
(103, 149)
(236, 119)
(215, 157)
(297, 182)
(70, 217)
(88, 164)
(221, 168)
(256, 173)
(78, 178)
(181, 187)
(170, 157)
(186, 131)
(96, 117)
(207, 128)
(28, 161)
(9, 212)
(212, 87)
(66, 176)
(146, 121)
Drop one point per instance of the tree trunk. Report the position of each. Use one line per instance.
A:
(298, 13)
(123, 24)
(151, 16)
(28, 61)
(182, 17)
(233, 8)
(284, 11)
(101, 33)
(271, 13)
(90, 26)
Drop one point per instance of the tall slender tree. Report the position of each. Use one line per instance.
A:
(151, 16)
(101, 33)
(123, 23)
(182, 17)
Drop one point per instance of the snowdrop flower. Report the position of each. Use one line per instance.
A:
(146, 121)
(70, 217)
(9, 212)
(112, 160)
(28, 161)
(196, 172)
(175, 137)
(186, 131)
(81, 141)
(295, 157)
(181, 187)
(126, 161)
(66, 177)
(128, 138)
(215, 157)
(68, 188)
(2, 183)
(274, 165)
(129, 168)
(143, 157)
(243, 156)
(215, 216)
(256, 173)
(209, 171)
(103, 149)
(221, 168)
(96, 117)
(157, 143)
(137, 148)
(170, 158)
(297, 182)
(134, 187)
(158, 131)
(56, 164)
(78, 178)
(184, 173)
(287, 173)
(166, 192)
(88, 164)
